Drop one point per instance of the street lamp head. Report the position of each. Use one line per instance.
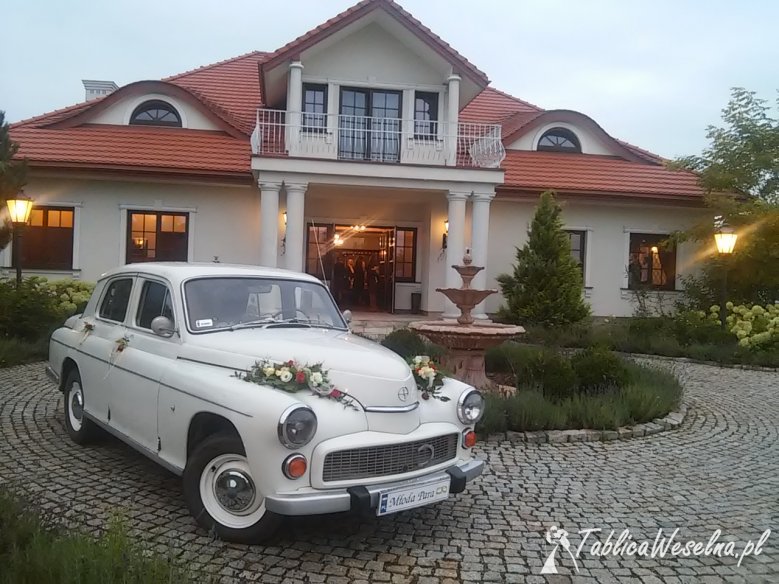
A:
(725, 239)
(19, 209)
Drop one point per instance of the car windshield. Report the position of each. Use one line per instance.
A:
(240, 302)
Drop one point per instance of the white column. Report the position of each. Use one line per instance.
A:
(455, 246)
(452, 118)
(269, 223)
(294, 106)
(296, 225)
(480, 235)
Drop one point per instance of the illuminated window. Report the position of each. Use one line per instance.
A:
(652, 262)
(157, 237)
(405, 255)
(48, 239)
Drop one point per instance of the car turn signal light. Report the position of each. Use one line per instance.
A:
(295, 466)
(469, 439)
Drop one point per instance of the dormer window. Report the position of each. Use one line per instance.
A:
(156, 113)
(559, 140)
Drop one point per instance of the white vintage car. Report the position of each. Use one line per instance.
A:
(192, 365)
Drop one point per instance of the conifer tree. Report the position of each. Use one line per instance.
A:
(545, 287)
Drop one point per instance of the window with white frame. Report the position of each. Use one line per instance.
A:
(578, 239)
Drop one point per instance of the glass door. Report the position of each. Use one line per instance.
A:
(369, 125)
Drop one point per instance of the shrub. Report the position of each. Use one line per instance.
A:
(756, 327)
(28, 312)
(508, 357)
(408, 343)
(648, 393)
(548, 371)
(16, 351)
(696, 326)
(598, 369)
(72, 295)
(31, 554)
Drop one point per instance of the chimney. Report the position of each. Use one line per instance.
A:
(95, 89)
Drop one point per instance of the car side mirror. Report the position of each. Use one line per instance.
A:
(162, 326)
(347, 314)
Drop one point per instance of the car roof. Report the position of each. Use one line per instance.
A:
(176, 272)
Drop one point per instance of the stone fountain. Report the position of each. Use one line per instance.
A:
(466, 340)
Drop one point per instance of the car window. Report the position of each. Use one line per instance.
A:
(155, 301)
(216, 303)
(115, 300)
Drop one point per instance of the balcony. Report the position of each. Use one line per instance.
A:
(376, 139)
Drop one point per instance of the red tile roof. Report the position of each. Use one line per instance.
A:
(150, 148)
(232, 85)
(593, 174)
(232, 90)
(492, 106)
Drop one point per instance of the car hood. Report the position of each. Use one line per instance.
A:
(369, 372)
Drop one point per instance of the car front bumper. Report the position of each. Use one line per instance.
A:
(362, 498)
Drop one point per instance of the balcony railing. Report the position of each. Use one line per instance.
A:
(376, 139)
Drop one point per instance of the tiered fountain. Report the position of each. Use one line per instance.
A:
(467, 340)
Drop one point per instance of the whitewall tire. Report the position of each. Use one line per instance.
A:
(222, 495)
(80, 428)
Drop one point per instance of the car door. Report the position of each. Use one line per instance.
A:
(143, 363)
(96, 349)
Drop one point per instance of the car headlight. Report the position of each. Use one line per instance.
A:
(470, 406)
(297, 426)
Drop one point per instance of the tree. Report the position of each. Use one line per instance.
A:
(743, 155)
(13, 174)
(739, 171)
(546, 285)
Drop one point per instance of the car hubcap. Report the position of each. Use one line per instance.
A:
(76, 406)
(228, 492)
(234, 490)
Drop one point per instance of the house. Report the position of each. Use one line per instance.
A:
(367, 152)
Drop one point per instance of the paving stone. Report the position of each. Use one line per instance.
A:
(718, 470)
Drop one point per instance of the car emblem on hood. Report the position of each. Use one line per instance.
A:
(403, 393)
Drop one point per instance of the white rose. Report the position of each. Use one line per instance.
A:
(268, 371)
(286, 376)
(425, 359)
(316, 378)
(417, 360)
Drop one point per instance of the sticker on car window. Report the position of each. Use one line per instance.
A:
(204, 322)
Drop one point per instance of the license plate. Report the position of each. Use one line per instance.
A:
(401, 498)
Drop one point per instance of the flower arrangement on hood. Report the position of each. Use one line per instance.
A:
(428, 377)
(291, 376)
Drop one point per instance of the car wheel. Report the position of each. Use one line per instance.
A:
(221, 493)
(80, 428)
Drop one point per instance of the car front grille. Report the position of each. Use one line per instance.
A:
(379, 461)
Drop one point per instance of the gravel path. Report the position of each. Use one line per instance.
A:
(720, 470)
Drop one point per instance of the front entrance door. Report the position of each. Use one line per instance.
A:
(369, 125)
(357, 262)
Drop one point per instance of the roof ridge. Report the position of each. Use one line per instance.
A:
(642, 152)
(216, 64)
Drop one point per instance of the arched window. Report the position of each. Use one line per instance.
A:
(156, 113)
(559, 140)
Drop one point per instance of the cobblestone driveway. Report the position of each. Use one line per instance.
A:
(720, 470)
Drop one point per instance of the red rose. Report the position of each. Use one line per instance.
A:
(290, 363)
(300, 377)
(425, 395)
(336, 393)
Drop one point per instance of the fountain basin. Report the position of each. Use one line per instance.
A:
(466, 345)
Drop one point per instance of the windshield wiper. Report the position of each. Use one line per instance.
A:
(267, 322)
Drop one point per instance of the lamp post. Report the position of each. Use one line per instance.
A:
(725, 239)
(19, 210)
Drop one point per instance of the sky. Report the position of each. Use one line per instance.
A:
(653, 73)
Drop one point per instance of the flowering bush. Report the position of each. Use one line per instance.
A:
(292, 377)
(428, 377)
(756, 327)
